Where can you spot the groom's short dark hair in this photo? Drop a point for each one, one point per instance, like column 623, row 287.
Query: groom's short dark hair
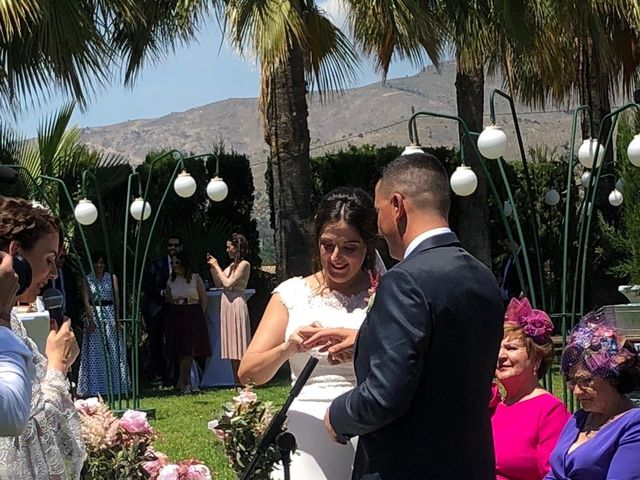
column 422, row 179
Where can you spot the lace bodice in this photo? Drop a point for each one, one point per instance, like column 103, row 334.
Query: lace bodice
column 51, row 445
column 331, row 310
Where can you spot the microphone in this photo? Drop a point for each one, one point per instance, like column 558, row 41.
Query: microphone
column 8, row 175
column 53, row 301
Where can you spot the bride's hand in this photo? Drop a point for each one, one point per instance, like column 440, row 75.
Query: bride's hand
column 296, row 341
column 333, row 340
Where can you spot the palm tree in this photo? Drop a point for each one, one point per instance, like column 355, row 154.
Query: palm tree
column 76, row 47
column 300, row 49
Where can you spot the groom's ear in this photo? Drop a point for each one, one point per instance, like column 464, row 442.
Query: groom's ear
column 397, row 201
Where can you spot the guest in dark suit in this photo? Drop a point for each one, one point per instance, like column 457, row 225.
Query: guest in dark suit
column 67, row 283
column 153, row 307
column 509, row 280
column 426, row 353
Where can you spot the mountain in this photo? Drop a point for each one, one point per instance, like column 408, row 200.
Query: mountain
column 375, row 114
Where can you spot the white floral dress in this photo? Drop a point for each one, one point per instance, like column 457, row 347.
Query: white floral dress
column 51, row 446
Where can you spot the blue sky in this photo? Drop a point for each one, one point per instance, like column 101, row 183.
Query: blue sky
column 195, row 75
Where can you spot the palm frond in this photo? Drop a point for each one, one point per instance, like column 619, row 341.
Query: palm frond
column 332, row 62
column 403, row 29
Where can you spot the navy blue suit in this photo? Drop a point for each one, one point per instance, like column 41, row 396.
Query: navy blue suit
column 153, row 283
column 425, row 358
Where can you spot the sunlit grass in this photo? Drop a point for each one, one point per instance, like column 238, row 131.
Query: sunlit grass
column 181, row 421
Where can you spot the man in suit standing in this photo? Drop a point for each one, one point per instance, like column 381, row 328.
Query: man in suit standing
column 153, row 286
column 426, row 352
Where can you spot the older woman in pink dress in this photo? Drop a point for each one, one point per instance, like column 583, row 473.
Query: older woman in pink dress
column 235, row 328
column 528, row 420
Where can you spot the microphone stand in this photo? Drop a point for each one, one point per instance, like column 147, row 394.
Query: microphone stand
column 284, row 441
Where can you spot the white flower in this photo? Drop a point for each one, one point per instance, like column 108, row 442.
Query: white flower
column 169, row 472
column 246, row 396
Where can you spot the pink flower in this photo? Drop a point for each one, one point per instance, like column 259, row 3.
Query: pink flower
column 213, row 426
column 135, row 422
column 154, row 467
column 198, row 472
column 169, row 472
column 87, row 406
column 246, row 396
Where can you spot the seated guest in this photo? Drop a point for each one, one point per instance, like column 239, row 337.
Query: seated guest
column 528, row 420
column 602, row 439
column 16, row 360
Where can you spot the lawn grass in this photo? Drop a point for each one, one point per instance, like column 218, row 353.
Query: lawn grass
column 181, row 421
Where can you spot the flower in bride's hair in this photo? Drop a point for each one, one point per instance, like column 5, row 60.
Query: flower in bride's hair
column 374, row 282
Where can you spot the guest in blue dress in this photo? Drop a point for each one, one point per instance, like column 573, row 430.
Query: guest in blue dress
column 103, row 338
column 602, row 440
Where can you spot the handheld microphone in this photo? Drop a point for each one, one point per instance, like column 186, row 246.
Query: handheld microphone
column 53, row 301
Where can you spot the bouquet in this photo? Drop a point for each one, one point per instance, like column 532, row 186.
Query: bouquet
column 240, row 428
column 120, row 448
column 116, row 447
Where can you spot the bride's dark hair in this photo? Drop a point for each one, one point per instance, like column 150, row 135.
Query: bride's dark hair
column 353, row 206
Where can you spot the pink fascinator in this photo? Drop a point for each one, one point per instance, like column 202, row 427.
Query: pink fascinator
column 535, row 324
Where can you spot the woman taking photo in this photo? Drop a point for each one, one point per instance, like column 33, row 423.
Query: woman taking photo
column 235, row 327
column 186, row 329
column 51, row 445
column 528, row 420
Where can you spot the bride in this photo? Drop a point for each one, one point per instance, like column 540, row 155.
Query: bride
column 333, row 297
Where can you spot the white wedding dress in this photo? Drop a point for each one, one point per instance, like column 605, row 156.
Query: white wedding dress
column 317, row 456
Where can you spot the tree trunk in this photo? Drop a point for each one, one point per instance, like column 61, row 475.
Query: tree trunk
column 473, row 224
column 287, row 133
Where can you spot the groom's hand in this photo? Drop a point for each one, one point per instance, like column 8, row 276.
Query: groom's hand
column 337, row 342
column 331, row 431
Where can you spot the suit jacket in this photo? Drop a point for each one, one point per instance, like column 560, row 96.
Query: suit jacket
column 425, row 358
column 67, row 283
column 153, row 283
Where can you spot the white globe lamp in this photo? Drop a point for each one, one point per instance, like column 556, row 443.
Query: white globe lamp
column 615, row 197
column 412, row 150
column 463, row 181
column 552, row 197
column 184, row 185
column 584, row 179
column 85, row 212
column 217, row 190
column 633, row 151
column 140, row 210
column 492, row 142
column 587, row 151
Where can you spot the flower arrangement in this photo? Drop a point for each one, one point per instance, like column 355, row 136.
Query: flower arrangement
column 120, row 448
column 161, row 469
column 240, row 427
column 116, row 447
column 374, row 281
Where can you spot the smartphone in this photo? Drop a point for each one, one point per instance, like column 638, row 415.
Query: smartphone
column 22, row 267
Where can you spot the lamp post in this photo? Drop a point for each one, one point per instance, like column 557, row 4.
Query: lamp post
column 86, row 213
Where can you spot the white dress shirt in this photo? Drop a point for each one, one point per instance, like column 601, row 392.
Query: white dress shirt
column 423, row 236
column 16, row 376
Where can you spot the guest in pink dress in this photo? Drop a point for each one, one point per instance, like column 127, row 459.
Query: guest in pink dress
column 528, row 420
column 235, row 327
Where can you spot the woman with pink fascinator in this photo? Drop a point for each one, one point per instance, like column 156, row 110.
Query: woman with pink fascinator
column 528, row 420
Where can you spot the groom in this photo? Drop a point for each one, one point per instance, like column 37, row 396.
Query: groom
column 426, row 353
